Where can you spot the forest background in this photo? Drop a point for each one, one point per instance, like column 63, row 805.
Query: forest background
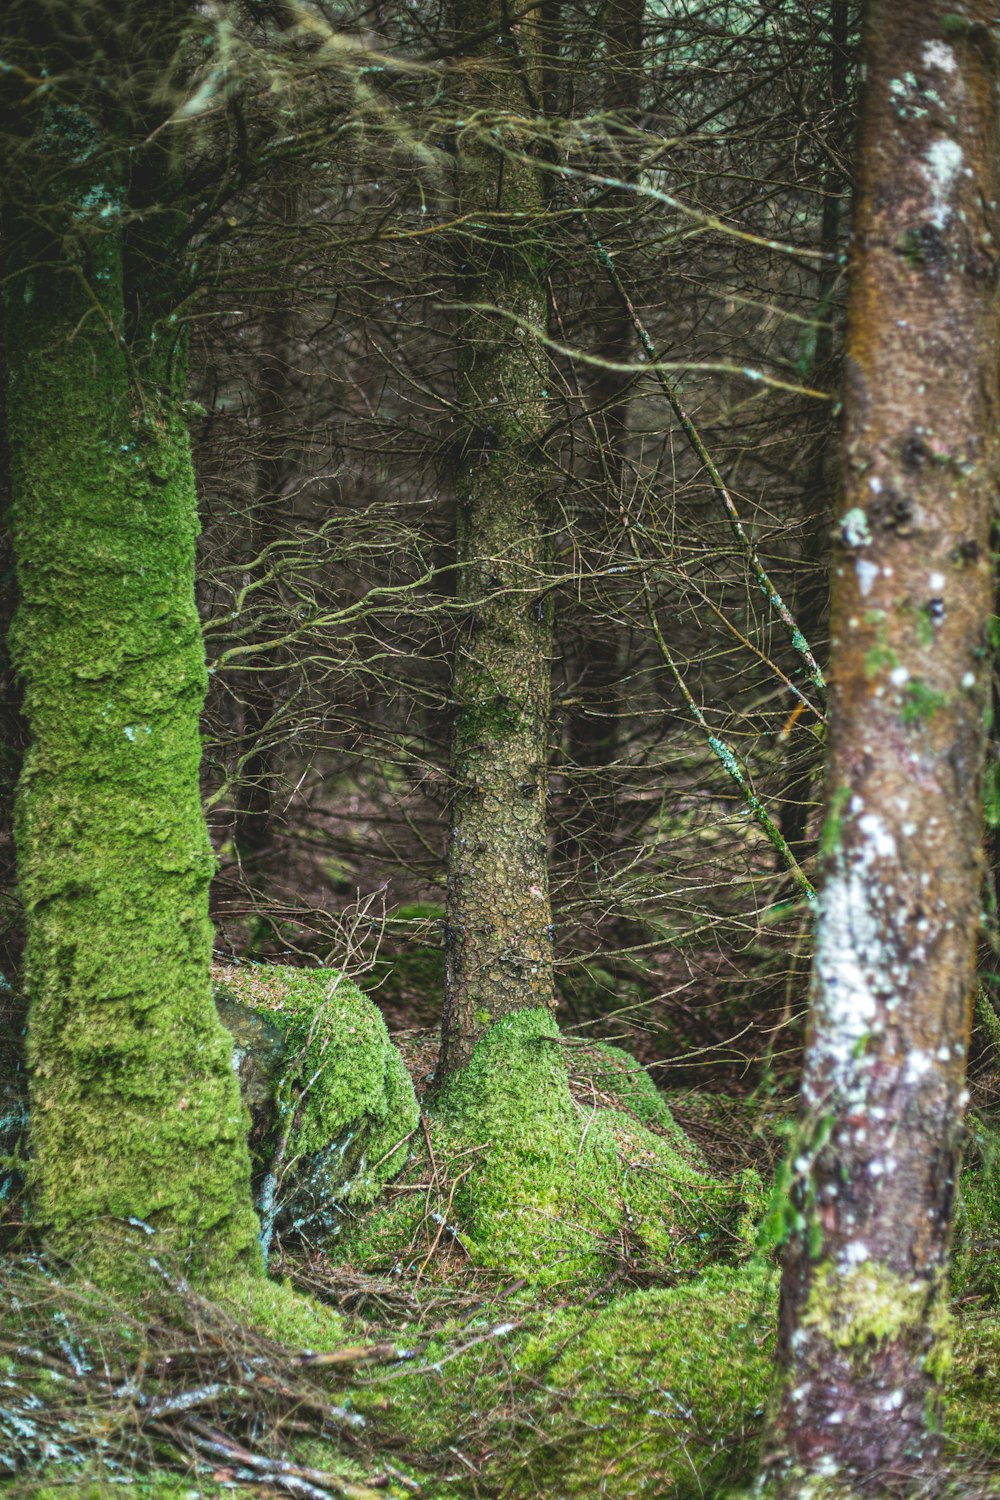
column 676, row 178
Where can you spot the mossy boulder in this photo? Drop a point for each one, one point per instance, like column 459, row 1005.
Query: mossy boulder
column 664, row 1391
column 612, row 1078
column 524, row 1177
column 331, row 1103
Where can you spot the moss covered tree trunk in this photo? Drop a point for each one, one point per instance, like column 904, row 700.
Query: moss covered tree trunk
column 864, row 1289
column 135, row 1111
column 499, row 933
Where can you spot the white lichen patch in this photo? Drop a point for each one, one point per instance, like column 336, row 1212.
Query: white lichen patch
column 938, row 55
column 942, row 164
column 847, row 937
column 867, row 573
column 855, row 967
column 917, row 1064
column 881, row 841
column 854, row 528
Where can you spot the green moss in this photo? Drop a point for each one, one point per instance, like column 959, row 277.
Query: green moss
column 277, row 1310
column 829, row 839
column 611, row 1071
column 135, row 1112
column 970, row 1403
column 872, row 1304
column 529, row 1180
column 665, row 1391
column 319, row 1072
column 976, row 1252
column 658, row 1393
column 155, row 1486
column 880, row 658
column 922, row 702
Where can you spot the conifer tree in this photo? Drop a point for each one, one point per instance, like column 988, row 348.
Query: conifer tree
column 499, row 926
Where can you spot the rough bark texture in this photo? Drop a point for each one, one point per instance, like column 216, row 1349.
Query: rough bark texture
column 864, row 1290
column 135, row 1111
column 499, row 933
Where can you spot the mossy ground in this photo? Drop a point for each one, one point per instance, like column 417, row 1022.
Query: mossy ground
column 517, row 1174
column 976, row 1256
column 508, row 1393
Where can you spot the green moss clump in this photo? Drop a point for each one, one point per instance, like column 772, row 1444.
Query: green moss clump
column 534, row 1182
column 970, row 1402
column 612, row 1072
column 666, row 1391
column 868, row 1304
column 321, row 1076
column 277, row 1310
column 658, row 1393
column 976, row 1253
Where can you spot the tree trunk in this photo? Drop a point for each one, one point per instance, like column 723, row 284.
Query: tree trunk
column 499, row 933
column 864, row 1291
column 135, row 1111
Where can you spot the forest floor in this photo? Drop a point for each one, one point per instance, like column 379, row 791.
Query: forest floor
column 326, row 1383
column 437, row 1378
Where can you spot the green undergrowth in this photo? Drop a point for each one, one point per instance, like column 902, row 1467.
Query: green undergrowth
column 279, row 1311
column 976, row 1256
column 158, row 1486
column 659, row 1392
column 332, row 1106
column 515, row 1173
column 972, row 1408
column 166, row 1392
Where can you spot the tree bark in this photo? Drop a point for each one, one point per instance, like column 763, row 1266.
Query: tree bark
column 864, row 1290
column 499, row 935
column 135, row 1111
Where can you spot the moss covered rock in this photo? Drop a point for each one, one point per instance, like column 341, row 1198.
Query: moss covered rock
column 524, row 1177
column 664, row 1391
column 331, row 1104
column 612, row 1078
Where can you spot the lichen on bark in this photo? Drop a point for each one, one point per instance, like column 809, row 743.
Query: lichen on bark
column 135, row 1111
column 862, row 1343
